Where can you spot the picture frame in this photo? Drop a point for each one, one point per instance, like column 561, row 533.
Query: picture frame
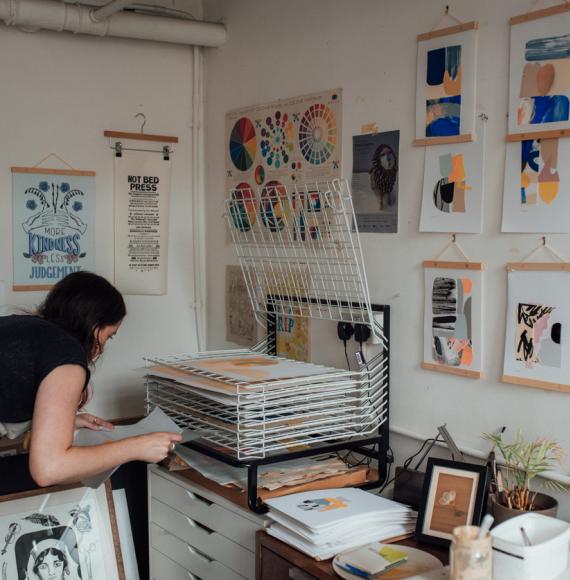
column 66, row 532
column 454, row 494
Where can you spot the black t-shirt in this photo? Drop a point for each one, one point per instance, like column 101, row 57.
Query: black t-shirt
column 30, row 348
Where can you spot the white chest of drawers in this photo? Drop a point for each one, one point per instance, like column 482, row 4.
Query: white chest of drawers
column 196, row 534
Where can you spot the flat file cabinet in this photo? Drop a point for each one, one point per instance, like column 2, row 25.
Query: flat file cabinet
column 197, row 535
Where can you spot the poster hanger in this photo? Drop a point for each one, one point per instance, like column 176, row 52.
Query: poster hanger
column 467, row 264
column 558, row 265
column 49, row 171
column 534, row 14
column 142, row 136
column 459, row 26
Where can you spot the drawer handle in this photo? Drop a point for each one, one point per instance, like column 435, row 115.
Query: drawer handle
column 192, row 576
column 192, row 550
column 199, row 526
column 196, row 497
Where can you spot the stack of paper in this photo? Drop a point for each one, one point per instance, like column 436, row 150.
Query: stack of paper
column 270, row 477
column 325, row 522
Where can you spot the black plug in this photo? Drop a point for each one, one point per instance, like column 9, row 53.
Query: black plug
column 345, row 330
column 361, row 333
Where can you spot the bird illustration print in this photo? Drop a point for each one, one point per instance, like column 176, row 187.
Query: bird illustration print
column 384, row 174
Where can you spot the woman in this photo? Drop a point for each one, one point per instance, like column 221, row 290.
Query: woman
column 44, row 373
column 51, row 564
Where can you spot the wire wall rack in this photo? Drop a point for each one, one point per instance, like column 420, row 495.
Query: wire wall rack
column 300, row 254
column 303, row 243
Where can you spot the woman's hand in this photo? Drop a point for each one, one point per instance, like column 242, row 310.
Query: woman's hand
column 154, row 447
column 88, row 421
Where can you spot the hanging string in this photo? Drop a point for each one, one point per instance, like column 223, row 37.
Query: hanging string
column 447, row 14
column 57, row 157
column 453, row 244
column 544, row 245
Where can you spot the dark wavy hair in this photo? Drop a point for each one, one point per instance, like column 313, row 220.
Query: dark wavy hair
column 81, row 303
column 39, row 560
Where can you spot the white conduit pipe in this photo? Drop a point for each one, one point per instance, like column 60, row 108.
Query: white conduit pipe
column 552, row 475
column 57, row 16
column 198, row 217
column 109, row 9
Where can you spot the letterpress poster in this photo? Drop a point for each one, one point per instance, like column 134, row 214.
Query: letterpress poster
column 142, row 192
column 53, row 225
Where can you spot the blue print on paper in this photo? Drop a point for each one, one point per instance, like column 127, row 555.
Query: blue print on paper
column 443, row 116
column 435, row 66
column 550, row 109
column 550, row 48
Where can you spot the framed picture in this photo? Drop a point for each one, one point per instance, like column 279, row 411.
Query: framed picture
column 454, row 495
column 62, row 533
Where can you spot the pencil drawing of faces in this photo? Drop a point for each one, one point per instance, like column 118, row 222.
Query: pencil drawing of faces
column 48, row 554
column 50, row 564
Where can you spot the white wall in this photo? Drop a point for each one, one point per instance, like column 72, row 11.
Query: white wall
column 278, row 49
column 59, row 93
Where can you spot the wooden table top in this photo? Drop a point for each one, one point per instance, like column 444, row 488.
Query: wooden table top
column 324, row 569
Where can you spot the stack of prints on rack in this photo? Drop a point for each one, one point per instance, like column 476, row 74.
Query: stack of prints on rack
column 329, row 521
column 252, row 405
column 276, row 477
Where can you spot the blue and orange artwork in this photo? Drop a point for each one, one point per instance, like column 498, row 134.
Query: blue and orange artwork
column 325, row 504
column 449, row 191
column 545, row 82
column 242, row 207
column 540, row 180
column 443, row 91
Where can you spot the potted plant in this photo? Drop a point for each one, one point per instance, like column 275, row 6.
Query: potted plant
column 523, row 461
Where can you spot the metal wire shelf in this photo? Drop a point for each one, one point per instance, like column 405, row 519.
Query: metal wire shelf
column 300, row 255
column 298, row 246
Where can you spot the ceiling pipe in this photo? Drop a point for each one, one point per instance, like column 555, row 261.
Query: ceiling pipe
column 57, row 16
column 109, row 9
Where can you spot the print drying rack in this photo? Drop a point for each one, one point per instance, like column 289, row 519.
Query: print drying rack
column 300, row 255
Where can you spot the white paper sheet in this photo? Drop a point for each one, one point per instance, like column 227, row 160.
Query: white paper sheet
column 154, row 422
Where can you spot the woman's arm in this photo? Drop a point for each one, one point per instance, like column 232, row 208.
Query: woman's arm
column 54, row 460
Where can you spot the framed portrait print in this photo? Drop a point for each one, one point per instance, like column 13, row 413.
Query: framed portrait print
column 454, row 494
column 62, row 533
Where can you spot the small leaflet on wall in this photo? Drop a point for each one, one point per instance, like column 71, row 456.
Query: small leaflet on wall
column 293, row 340
column 53, row 225
column 375, row 181
column 241, row 326
column 142, row 192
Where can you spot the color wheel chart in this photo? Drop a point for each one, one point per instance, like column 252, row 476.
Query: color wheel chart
column 243, row 144
column 277, row 141
column 273, row 146
column 317, row 134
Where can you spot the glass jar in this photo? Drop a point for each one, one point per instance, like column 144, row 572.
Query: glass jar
column 470, row 558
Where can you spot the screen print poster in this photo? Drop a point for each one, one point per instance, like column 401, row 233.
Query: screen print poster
column 537, row 349
column 272, row 148
column 142, row 204
column 539, row 75
column 453, row 317
column 53, row 225
column 536, row 196
column 375, row 166
column 445, row 84
column 452, row 197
